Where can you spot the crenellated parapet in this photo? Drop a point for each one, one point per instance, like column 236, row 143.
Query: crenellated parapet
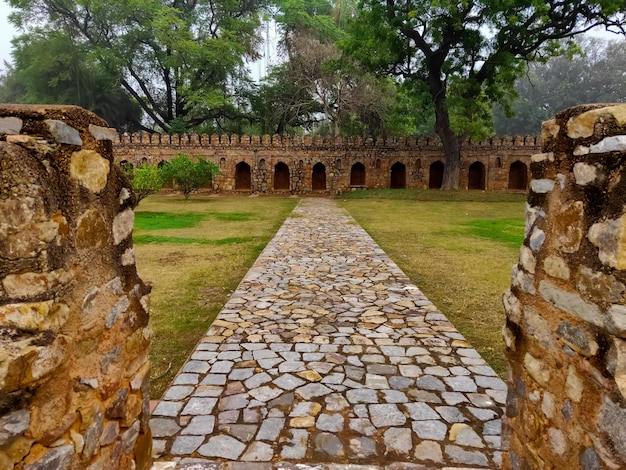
column 273, row 141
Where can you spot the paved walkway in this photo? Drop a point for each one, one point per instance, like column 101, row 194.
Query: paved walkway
column 328, row 355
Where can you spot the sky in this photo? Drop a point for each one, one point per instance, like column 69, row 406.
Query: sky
column 7, row 31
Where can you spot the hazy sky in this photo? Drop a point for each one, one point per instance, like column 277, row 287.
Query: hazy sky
column 6, row 34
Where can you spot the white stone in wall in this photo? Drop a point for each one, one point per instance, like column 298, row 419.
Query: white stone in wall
column 536, row 368
column 571, row 303
column 103, row 133
column 10, row 125
column 586, row 174
column 63, row 133
column 536, row 239
column 574, row 385
column 123, row 225
column 542, row 186
column 610, row 239
column 556, row 267
column 527, row 259
column 616, row 143
column 616, row 320
column 542, row 157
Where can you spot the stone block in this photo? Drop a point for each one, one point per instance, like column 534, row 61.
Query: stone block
column 512, row 306
column 90, row 169
column 583, row 125
column 571, row 303
column 537, row 369
column 588, row 174
column 556, row 266
column 599, row 286
column 610, row 239
column 567, row 227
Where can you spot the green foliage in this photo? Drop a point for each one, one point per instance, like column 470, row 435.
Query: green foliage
column 179, row 61
column 50, row 68
column 189, row 175
column 145, row 179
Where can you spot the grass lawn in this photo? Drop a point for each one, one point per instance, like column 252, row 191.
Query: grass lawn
column 457, row 247
column 195, row 253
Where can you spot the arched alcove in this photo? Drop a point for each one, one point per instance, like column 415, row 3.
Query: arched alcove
column 281, row 176
column 357, row 174
column 435, row 175
column 476, row 176
column 319, row 177
column 398, row 176
column 243, row 176
column 518, row 175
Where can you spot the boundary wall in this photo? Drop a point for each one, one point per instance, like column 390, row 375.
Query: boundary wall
column 307, row 164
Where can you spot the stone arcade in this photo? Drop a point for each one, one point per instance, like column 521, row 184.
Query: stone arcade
column 304, row 165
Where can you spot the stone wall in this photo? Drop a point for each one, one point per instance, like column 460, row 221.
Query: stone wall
column 74, row 329
column 565, row 331
column 412, row 162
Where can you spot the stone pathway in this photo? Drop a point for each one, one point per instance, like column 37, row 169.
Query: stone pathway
column 327, row 355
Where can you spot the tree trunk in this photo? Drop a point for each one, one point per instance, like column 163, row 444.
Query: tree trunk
column 451, row 142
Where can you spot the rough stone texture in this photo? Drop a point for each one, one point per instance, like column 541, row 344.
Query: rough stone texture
column 502, row 163
column 566, row 313
column 73, row 376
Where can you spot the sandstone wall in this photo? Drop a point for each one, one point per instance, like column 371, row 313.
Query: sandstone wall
column 565, row 332
column 74, row 330
column 300, row 153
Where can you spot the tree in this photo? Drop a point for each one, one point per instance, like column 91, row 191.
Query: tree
column 324, row 86
column 181, row 61
column 50, row 68
column 468, row 54
column 189, row 175
column 145, row 180
column 598, row 75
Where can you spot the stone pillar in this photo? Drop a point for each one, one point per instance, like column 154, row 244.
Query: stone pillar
column 74, row 332
column 565, row 331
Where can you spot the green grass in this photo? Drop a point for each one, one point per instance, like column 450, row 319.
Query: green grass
column 458, row 247
column 505, row 230
column 165, row 220
column 434, row 195
column 146, row 239
column 194, row 253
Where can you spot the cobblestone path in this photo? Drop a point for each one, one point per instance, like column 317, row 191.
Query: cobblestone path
column 327, row 355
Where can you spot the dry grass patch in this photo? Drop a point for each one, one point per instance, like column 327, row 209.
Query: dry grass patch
column 457, row 247
column 195, row 253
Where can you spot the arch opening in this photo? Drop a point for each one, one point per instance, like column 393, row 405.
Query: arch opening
column 281, row 177
column 243, row 176
column 518, row 175
column 476, row 176
column 435, row 175
column 398, row 176
column 357, row 174
column 319, row 177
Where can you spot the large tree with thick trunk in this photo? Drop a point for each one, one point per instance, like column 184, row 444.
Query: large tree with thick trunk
column 467, row 54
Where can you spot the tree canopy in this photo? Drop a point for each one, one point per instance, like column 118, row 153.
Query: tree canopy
column 468, row 54
column 179, row 60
